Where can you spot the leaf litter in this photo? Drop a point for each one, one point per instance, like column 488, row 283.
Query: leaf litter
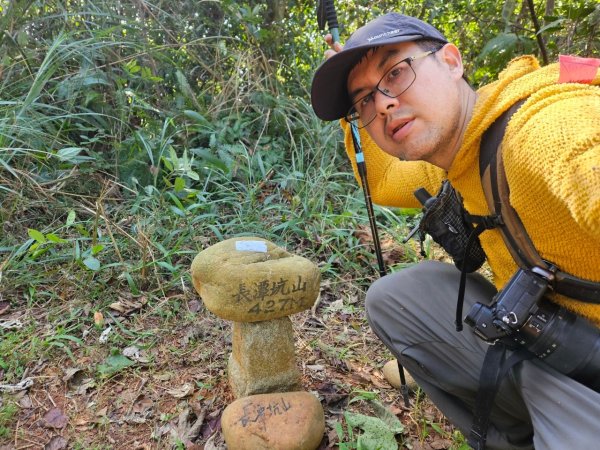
column 169, row 383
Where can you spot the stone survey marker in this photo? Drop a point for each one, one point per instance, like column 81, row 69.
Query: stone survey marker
column 250, row 279
column 263, row 358
column 257, row 285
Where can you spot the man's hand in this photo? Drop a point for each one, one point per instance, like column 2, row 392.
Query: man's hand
column 334, row 47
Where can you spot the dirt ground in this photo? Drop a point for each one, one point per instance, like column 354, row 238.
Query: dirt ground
column 174, row 394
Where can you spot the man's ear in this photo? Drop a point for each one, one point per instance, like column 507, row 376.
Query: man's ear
column 450, row 55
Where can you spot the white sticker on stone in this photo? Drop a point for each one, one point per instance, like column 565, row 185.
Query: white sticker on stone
column 251, row 246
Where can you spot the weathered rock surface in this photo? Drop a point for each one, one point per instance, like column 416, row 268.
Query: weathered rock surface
column 278, row 421
column 263, row 358
column 249, row 279
column 392, row 375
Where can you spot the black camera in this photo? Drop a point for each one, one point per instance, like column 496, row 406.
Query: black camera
column 520, row 315
column 512, row 307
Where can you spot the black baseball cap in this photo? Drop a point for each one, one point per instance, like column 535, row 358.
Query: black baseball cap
column 329, row 94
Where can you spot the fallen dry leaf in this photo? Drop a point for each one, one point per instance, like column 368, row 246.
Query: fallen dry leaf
column 440, row 444
column 131, row 352
column 85, row 385
column 142, row 404
column 212, row 424
column 395, row 410
column 104, row 335
column 55, row 418
column 377, row 382
column 56, row 443
column 26, row 402
column 182, row 391
column 82, row 421
column 332, row 436
column 4, row 307
column 136, row 354
column 125, row 306
column 332, row 394
column 361, row 376
column 163, row 376
column 194, row 306
column 188, row 425
column 20, row 386
column 215, row 442
column 70, row 373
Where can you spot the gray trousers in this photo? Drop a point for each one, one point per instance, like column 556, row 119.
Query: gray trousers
column 413, row 311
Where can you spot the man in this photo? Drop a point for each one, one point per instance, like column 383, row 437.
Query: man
column 402, row 83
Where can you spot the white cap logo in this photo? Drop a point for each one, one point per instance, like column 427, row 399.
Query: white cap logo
column 386, row 34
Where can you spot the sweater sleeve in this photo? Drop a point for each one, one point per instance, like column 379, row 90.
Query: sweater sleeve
column 391, row 181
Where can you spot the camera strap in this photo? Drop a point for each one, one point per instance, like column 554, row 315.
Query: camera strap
column 482, row 223
column 514, row 234
column 495, row 368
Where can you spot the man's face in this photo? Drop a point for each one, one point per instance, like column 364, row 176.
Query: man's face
column 426, row 121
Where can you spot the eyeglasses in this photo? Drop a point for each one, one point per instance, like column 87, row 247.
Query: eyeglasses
column 392, row 84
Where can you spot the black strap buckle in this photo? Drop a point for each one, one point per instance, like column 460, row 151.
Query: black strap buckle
column 487, row 222
column 477, row 440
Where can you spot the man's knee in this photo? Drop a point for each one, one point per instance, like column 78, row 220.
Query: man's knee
column 397, row 294
column 401, row 288
column 382, row 294
column 376, row 297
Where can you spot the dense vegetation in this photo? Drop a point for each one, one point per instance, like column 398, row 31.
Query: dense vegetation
column 133, row 134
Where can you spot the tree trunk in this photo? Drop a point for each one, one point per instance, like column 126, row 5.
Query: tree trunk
column 275, row 12
column 549, row 8
column 273, row 23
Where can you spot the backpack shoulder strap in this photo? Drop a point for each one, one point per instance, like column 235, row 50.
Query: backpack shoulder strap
column 495, row 187
column 514, row 234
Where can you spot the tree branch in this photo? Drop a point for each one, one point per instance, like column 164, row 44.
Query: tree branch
column 538, row 35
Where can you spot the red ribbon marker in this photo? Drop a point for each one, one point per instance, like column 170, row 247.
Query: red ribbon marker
column 574, row 69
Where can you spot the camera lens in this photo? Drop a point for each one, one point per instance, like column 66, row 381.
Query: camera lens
column 565, row 341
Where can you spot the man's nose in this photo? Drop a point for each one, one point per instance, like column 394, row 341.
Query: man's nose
column 384, row 103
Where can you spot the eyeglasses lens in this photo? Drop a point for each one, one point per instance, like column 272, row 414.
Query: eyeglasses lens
column 393, row 84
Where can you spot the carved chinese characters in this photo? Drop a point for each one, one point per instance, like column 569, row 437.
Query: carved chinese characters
column 251, row 283
column 286, row 421
column 272, row 297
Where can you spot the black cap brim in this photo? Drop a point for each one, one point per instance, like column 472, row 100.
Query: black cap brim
column 329, row 93
column 329, row 96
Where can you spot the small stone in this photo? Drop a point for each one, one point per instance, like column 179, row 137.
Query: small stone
column 392, row 375
column 249, row 279
column 283, row 421
column 263, row 358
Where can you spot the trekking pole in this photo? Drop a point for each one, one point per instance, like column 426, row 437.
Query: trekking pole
column 362, row 172
column 326, row 14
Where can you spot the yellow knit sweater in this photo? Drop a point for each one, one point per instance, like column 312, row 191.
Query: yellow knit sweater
column 551, row 153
